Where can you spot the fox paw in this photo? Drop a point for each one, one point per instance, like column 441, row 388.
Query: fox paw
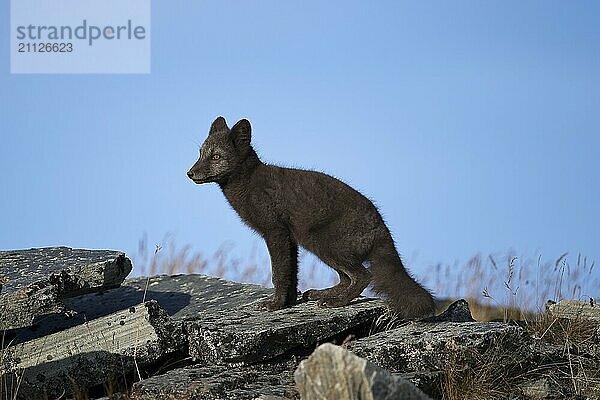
column 272, row 304
column 314, row 294
column 332, row 302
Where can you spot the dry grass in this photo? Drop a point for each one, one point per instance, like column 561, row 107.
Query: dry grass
column 256, row 268
column 516, row 286
column 9, row 381
column 499, row 373
column 498, row 287
column 9, row 384
column 579, row 332
column 470, row 375
column 494, row 375
column 575, row 336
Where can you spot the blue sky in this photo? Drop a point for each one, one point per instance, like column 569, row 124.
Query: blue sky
column 475, row 126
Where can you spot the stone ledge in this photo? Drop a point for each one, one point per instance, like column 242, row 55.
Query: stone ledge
column 220, row 383
column 36, row 281
column 95, row 352
column 424, row 346
column 251, row 336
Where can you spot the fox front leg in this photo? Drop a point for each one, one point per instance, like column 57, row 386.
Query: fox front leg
column 284, row 267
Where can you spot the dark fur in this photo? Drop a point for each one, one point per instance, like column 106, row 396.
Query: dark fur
column 291, row 207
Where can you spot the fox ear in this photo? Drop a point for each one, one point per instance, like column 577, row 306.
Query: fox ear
column 241, row 134
column 219, row 125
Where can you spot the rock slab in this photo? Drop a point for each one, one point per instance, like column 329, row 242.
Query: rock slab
column 574, row 309
column 224, row 326
column 332, row 372
column 183, row 297
column 422, row 346
column 212, row 382
column 92, row 353
column 248, row 335
column 219, row 316
column 35, row 281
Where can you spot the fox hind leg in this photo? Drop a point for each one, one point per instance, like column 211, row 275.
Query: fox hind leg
column 360, row 277
column 354, row 278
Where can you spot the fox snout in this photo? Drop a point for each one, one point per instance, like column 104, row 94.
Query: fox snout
column 199, row 172
column 192, row 174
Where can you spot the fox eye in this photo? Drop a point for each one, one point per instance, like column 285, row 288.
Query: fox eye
column 216, row 156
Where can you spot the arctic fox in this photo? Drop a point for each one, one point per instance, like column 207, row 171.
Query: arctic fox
column 294, row 207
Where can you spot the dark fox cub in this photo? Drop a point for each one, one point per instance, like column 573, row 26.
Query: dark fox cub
column 293, row 207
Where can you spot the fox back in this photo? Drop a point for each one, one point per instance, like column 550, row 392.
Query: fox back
column 291, row 207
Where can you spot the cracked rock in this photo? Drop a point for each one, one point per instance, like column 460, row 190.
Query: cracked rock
column 35, row 281
column 424, row 346
column 211, row 382
column 94, row 352
column 248, row 335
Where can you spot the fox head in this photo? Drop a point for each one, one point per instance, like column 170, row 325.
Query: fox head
column 222, row 152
